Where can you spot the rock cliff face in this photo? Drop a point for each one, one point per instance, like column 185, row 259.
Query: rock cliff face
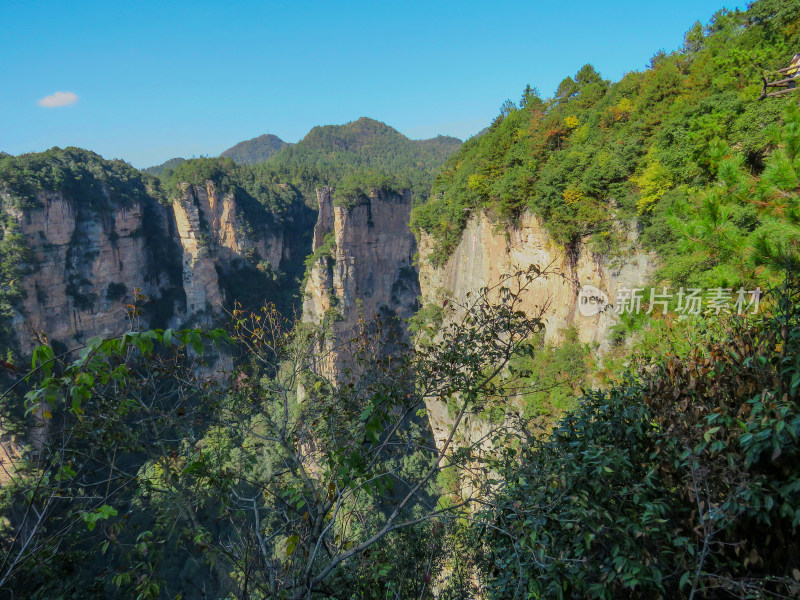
column 218, row 241
column 485, row 254
column 87, row 264
column 189, row 258
column 362, row 266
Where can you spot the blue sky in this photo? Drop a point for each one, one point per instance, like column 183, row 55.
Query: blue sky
column 156, row 80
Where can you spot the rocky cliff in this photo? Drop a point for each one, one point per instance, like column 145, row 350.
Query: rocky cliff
column 189, row 258
column 86, row 264
column 228, row 255
column 486, row 252
column 362, row 265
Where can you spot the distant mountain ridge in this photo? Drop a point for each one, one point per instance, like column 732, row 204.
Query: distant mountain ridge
column 165, row 168
column 365, row 134
column 362, row 151
column 328, row 152
column 256, row 150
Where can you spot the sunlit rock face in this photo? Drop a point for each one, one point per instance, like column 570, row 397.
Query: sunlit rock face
column 86, row 264
column 363, row 267
column 487, row 252
column 88, row 261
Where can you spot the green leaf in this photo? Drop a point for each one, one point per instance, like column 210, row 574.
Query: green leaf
column 291, row 544
column 43, row 356
column 195, row 341
column 684, row 580
column 84, row 379
column 707, row 435
column 106, row 511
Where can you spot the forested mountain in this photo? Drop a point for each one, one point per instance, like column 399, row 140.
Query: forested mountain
column 172, row 427
column 361, row 154
column 265, row 200
column 256, row 150
column 657, row 146
column 165, row 168
column 354, row 157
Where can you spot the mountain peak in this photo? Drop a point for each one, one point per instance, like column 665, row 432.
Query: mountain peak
column 256, row 150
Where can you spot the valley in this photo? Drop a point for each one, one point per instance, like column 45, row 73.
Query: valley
column 362, row 365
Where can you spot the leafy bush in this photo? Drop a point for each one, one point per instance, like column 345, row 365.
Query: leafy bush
column 664, row 485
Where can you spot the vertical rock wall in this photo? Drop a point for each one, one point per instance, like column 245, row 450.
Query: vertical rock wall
column 183, row 257
column 366, row 269
column 485, row 253
column 87, row 264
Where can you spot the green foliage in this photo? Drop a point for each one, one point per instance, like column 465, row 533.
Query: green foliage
column 111, row 411
column 664, row 485
column 617, row 150
column 165, row 169
column 16, row 260
column 333, row 154
column 427, row 320
column 555, row 375
column 255, row 151
column 326, row 251
column 721, row 236
column 80, row 174
column 355, row 188
column 141, row 477
column 160, row 472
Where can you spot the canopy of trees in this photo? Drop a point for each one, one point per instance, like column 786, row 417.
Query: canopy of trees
column 598, row 153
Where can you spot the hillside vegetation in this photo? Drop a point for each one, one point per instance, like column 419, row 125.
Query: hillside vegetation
column 165, row 168
column 359, row 155
column 659, row 146
column 680, row 482
column 354, row 158
column 257, row 150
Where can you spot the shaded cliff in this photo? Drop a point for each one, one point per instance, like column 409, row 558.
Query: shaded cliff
column 237, row 251
column 362, row 266
column 80, row 234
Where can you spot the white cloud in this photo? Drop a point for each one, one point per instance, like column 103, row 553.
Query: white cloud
column 58, row 99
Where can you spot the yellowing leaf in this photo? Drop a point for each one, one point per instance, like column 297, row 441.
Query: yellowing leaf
column 291, row 544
